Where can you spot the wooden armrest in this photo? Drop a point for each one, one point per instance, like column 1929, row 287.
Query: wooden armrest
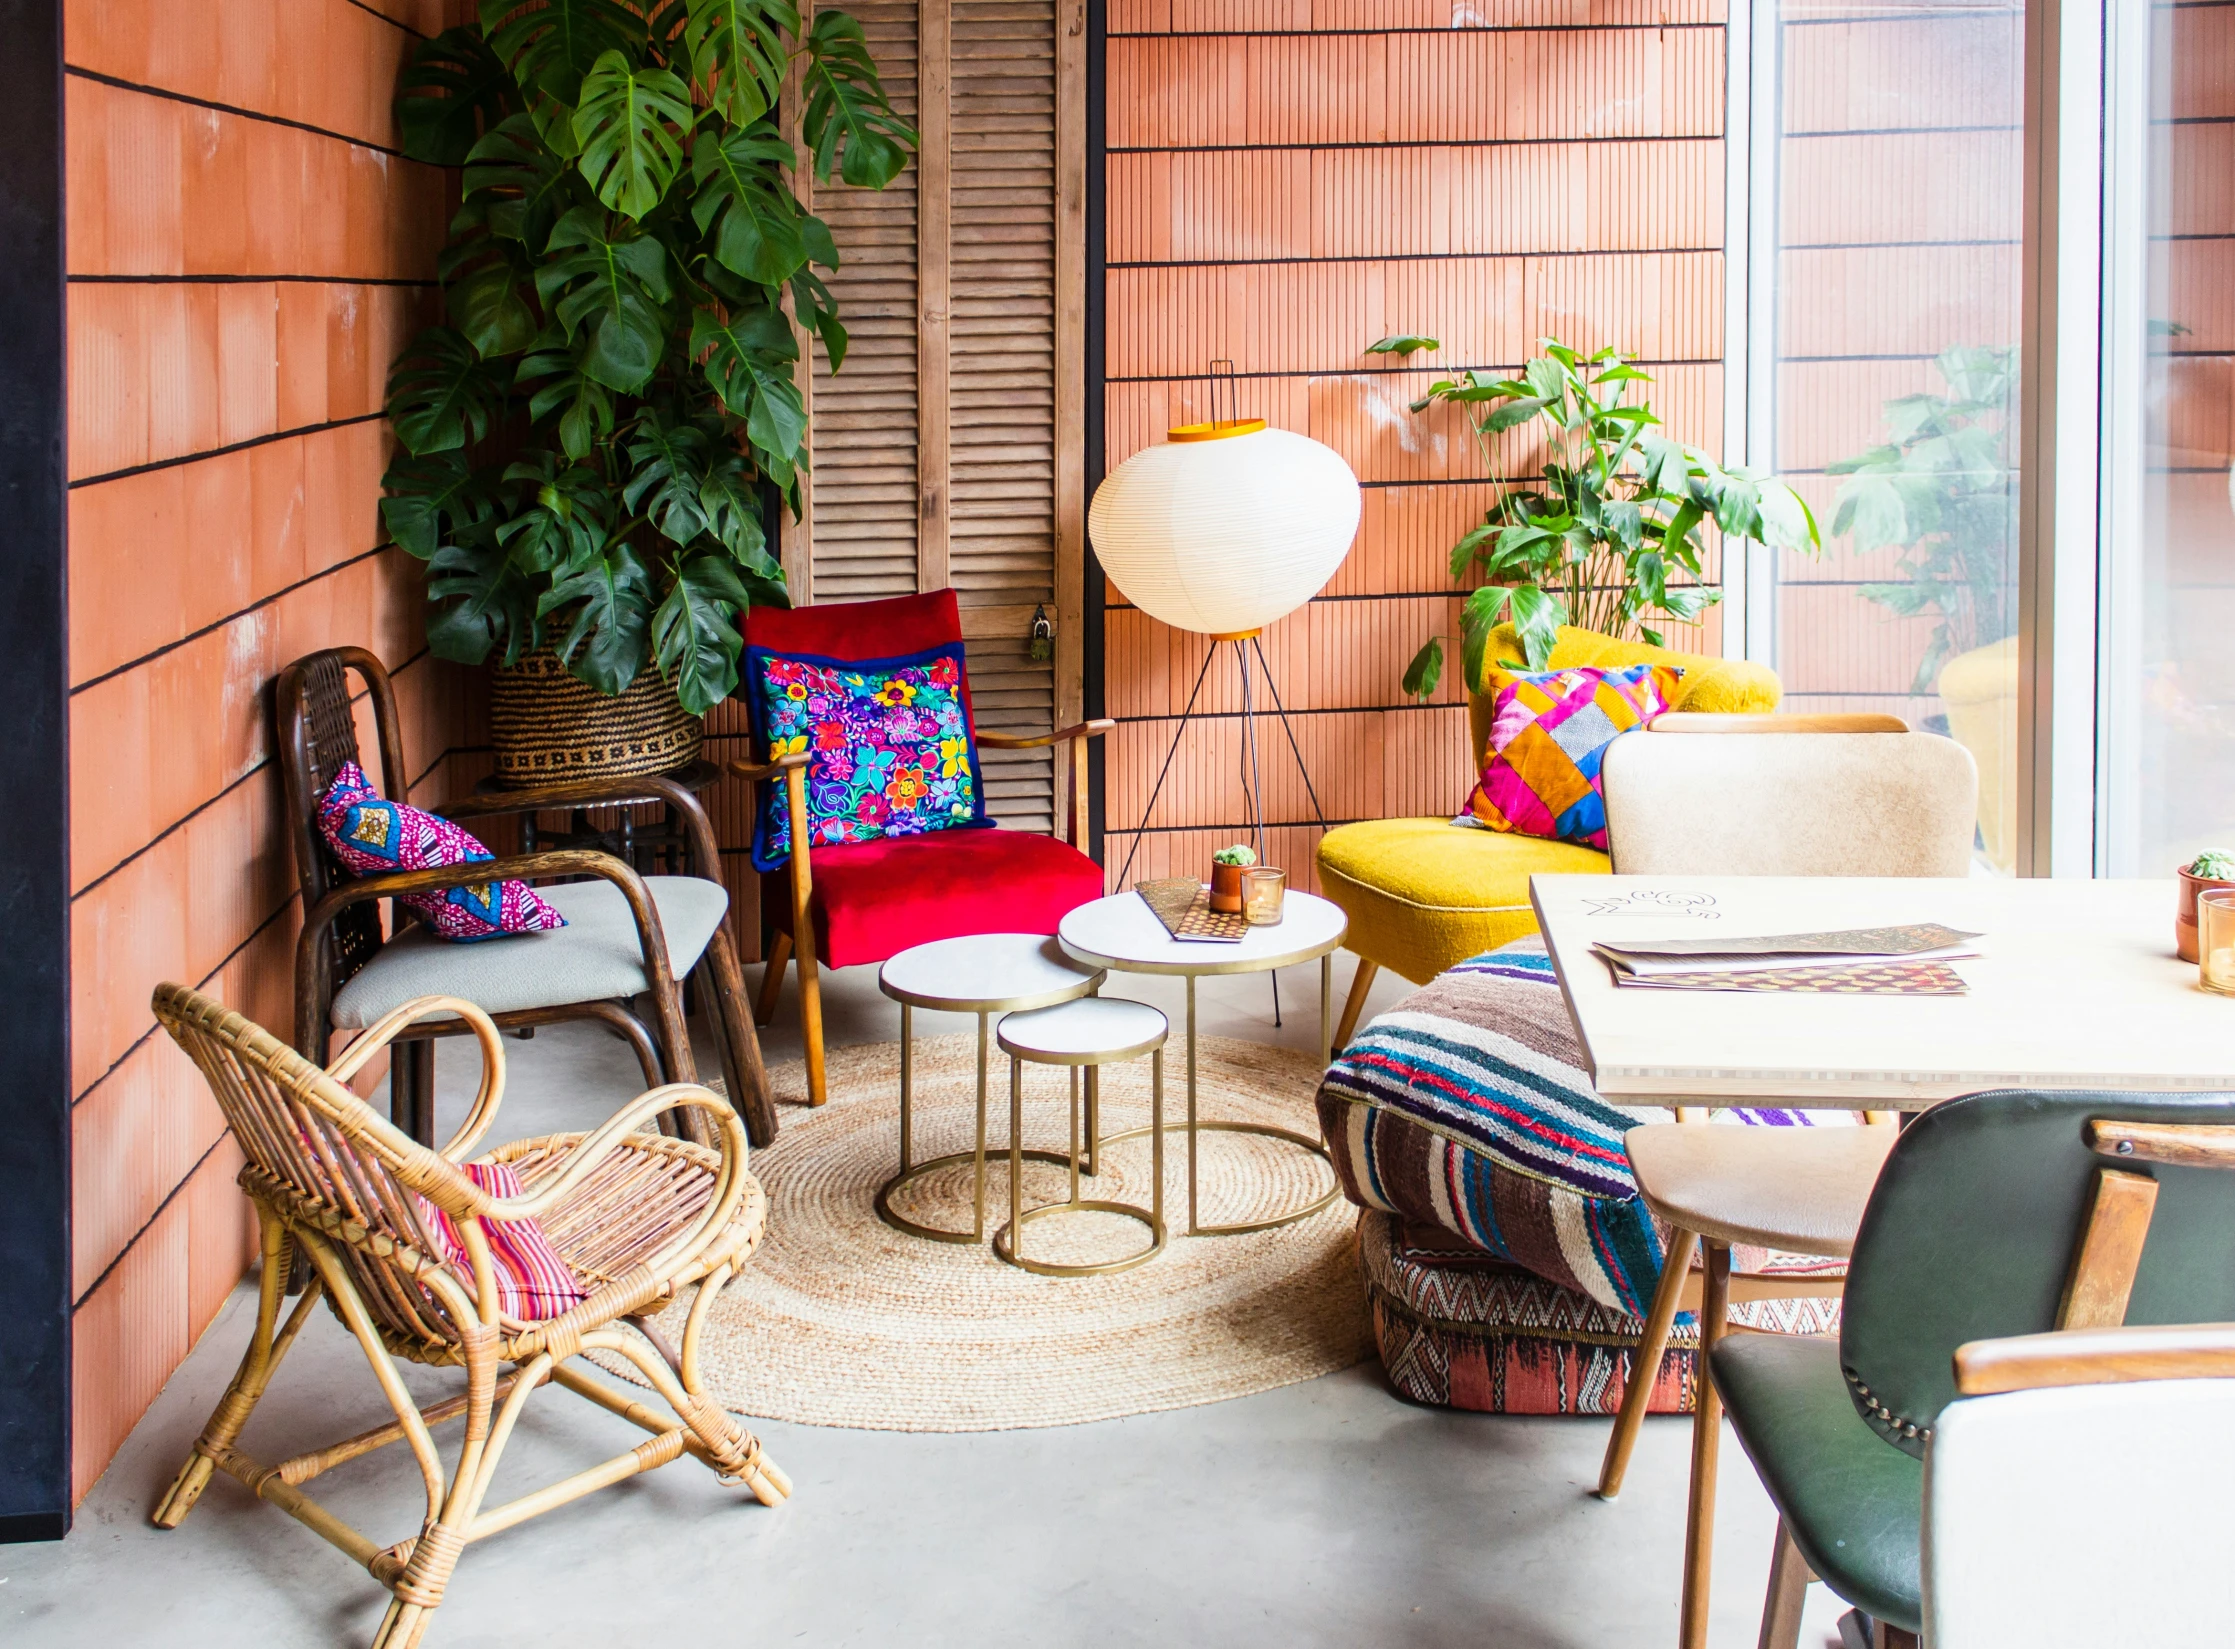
column 1716, row 721
column 570, row 793
column 1018, row 741
column 769, row 770
column 2095, row 1357
column 2178, row 1145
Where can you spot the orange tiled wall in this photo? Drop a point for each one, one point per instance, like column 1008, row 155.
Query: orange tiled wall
column 246, row 252
column 1289, row 180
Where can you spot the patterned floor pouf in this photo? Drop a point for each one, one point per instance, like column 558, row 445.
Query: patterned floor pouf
column 1509, row 1257
column 1458, row 1328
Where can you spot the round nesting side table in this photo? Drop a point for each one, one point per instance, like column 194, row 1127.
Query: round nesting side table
column 1122, row 934
column 1085, row 1036
column 984, row 974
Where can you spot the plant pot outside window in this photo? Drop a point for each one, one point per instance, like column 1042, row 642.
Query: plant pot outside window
column 548, row 727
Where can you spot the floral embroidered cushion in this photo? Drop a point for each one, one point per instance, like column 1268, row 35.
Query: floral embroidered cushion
column 1548, row 733
column 369, row 834
column 888, row 742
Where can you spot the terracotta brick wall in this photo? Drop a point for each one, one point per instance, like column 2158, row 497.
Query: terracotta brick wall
column 246, row 252
column 1289, row 181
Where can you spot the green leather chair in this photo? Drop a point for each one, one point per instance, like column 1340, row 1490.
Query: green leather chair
column 1975, row 1232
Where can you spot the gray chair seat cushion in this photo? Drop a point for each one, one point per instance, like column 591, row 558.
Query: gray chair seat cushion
column 593, row 958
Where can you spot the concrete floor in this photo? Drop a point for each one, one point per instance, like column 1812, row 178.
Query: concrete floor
column 1326, row 1513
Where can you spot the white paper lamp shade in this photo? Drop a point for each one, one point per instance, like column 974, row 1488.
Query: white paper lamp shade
column 1223, row 533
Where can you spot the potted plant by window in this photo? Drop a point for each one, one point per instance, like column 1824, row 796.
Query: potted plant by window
column 597, row 438
column 1611, row 539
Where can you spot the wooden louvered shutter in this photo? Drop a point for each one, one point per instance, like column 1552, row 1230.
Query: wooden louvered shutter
column 950, row 448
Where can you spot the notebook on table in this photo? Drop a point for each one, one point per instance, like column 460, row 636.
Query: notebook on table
column 1907, row 960
column 1183, row 905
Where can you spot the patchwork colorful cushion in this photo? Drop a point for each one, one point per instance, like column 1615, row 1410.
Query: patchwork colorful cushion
column 533, row 1283
column 369, row 834
column 1548, row 733
column 1465, row 1108
column 889, row 747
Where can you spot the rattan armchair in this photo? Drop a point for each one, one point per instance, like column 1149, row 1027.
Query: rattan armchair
column 637, row 1216
column 342, row 955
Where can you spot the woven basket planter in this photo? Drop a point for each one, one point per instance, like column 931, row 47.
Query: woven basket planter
column 547, row 726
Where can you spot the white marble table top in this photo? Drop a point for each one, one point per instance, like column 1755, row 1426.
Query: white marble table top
column 1121, row 932
column 986, row 973
column 1094, row 1030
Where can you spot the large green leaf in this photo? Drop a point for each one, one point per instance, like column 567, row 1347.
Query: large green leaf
column 521, row 186
column 748, row 359
column 483, row 602
column 430, row 499
column 737, row 52
column 1537, row 615
column 668, row 462
column 440, row 394
column 489, row 307
column 849, row 122
column 609, row 294
column 695, row 636
column 758, row 228
column 631, row 124
column 453, row 89
column 1425, row 670
column 584, row 405
column 564, row 519
column 552, row 44
column 611, row 597
column 1407, row 344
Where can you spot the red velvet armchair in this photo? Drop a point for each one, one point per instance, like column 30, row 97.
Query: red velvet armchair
column 867, row 901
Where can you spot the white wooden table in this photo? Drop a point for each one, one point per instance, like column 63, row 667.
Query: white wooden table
column 2076, row 986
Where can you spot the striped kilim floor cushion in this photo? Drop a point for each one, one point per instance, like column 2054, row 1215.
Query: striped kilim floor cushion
column 1464, row 1113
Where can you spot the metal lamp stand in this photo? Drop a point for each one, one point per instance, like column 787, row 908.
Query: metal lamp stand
column 1247, row 647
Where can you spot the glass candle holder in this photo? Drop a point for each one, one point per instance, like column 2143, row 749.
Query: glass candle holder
column 2215, row 940
column 1263, row 889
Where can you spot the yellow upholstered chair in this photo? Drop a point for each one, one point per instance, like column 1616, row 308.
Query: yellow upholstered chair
column 1422, row 894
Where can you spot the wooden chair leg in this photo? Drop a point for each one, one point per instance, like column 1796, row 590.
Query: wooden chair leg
column 1707, row 1442
column 411, row 1087
column 1883, row 1636
column 1789, row 1576
column 772, row 981
column 1360, row 983
column 742, row 1070
column 811, row 1022
column 1645, row 1362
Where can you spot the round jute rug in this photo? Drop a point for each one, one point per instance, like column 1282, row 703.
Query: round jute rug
column 842, row 1321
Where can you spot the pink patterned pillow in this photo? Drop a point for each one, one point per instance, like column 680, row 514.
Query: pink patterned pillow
column 369, row 834
column 533, row 1283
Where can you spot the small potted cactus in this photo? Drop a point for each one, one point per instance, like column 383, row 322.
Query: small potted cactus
column 1227, row 865
column 2206, row 870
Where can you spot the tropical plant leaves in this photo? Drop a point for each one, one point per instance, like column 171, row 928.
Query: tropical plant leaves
column 440, row 395
column 609, row 294
column 631, row 125
column 1406, row 343
column 453, row 90
column 695, row 637
column 748, row 361
column 742, row 200
column 520, row 186
column 611, row 600
column 737, row 53
column 849, row 121
column 551, row 45
column 487, row 306
column 429, row 499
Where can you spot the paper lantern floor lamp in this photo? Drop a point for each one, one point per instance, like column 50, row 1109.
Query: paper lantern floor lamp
column 1222, row 529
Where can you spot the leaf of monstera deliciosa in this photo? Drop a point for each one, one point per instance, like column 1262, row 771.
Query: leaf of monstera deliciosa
column 748, row 361
column 611, row 596
column 608, row 294
column 452, row 90
column 551, row 45
column 695, row 636
column 440, row 394
column 631, row 125
column 759, row 231
column 520, row 186
column 848, row 121
column 736, row 50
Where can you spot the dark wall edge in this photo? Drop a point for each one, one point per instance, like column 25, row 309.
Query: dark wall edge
column 34, row 779
column 1097, row 281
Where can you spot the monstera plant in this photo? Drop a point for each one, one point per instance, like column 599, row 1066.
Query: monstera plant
column 1612, row 537
column 597, row 436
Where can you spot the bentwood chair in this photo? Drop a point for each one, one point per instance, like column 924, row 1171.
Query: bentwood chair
column 859, row 902
column 2034, row 1223
column 635, row 1217
column 628, row 937
column 2079, row 1491
column 1879, row 801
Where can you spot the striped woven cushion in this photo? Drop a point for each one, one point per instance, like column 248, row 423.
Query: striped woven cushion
column 1466, row 1106
column 533, row 1283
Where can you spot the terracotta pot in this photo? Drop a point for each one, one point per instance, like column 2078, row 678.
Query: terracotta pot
column 2184, row 917
column 1226, row 888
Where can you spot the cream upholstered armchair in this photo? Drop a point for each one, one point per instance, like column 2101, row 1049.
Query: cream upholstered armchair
column 1422, row 894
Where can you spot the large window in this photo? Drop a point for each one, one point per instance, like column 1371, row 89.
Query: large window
column 1888, row 142
column 2167, row 769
